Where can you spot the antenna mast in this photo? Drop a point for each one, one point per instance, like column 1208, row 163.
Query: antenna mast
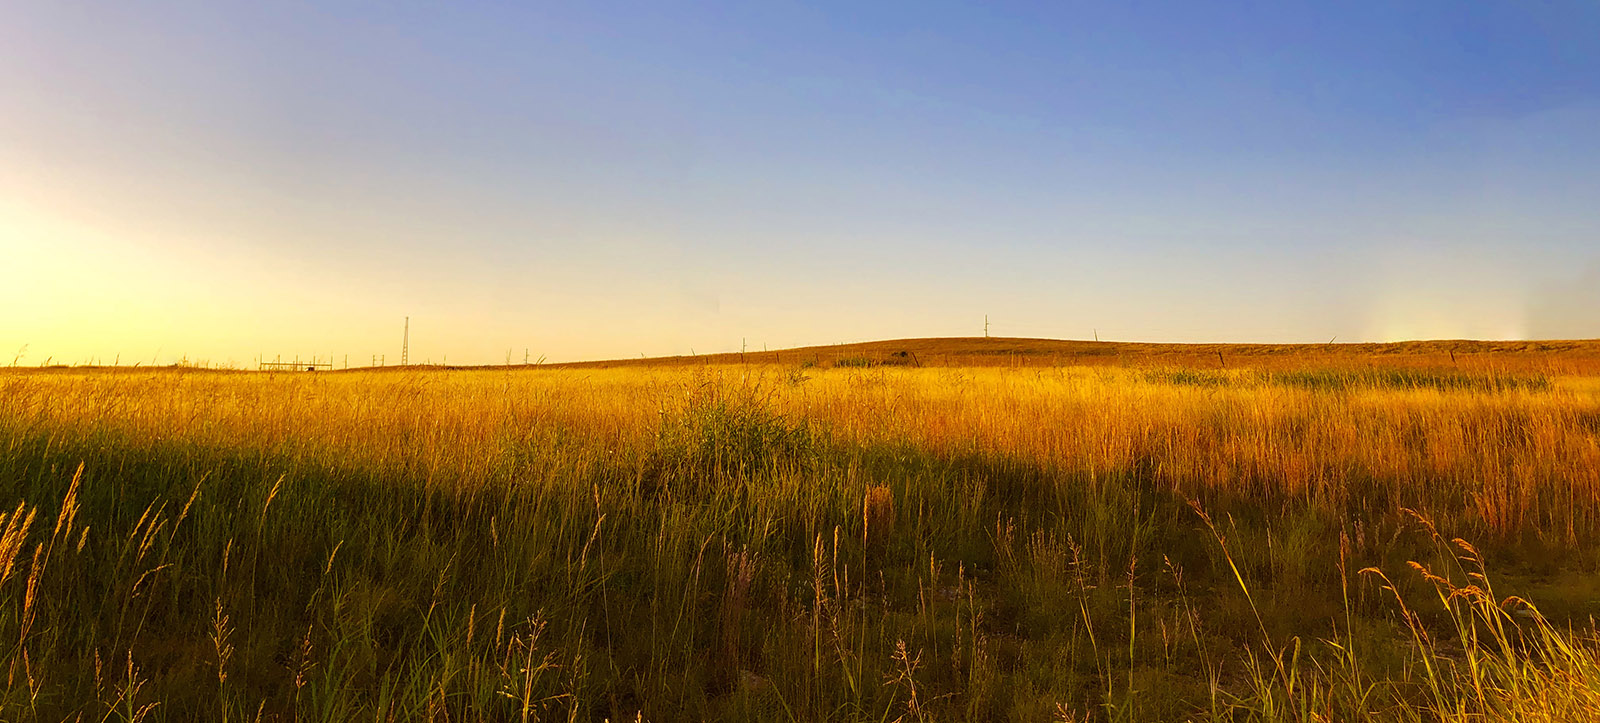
column 405, row 344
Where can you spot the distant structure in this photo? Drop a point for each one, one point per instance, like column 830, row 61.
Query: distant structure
column 405, row 344
column 279, row 365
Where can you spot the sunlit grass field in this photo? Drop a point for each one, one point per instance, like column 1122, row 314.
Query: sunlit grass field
column 802, row 541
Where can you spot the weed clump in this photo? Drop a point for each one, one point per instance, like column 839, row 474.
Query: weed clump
column 724, row 434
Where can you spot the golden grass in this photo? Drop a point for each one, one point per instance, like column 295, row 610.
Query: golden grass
column 1508, row 462
column 802, row 543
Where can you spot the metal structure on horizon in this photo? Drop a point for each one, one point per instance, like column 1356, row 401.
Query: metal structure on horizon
column 279, row 365
column 405, row 344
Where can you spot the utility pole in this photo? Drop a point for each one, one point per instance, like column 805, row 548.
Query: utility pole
column 405, row 344
column 985, row 326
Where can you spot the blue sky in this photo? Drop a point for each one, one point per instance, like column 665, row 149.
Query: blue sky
column 223, row 180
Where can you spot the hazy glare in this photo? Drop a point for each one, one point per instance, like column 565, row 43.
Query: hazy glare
column 215, row 181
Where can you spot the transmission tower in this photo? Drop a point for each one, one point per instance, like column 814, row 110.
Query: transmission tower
column 405, row 344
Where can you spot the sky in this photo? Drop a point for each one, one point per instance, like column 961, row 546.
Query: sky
column 219, row 182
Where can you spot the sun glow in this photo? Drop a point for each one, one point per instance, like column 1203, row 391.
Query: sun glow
column 1432, row 294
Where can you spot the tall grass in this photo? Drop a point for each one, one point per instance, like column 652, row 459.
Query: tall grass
column 755, row 543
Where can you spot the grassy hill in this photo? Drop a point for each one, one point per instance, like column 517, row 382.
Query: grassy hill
column 1561, row 356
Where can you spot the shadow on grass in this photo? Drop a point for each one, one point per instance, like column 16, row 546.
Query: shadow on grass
column 739, row 569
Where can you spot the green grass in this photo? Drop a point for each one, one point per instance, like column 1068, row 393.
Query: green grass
column 1346, row 379
column 1189, row 377
column 1388, row 378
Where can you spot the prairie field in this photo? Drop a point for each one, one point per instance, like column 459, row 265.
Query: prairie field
column 1406, row 535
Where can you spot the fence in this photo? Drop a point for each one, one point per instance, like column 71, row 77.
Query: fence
column 296, row 366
